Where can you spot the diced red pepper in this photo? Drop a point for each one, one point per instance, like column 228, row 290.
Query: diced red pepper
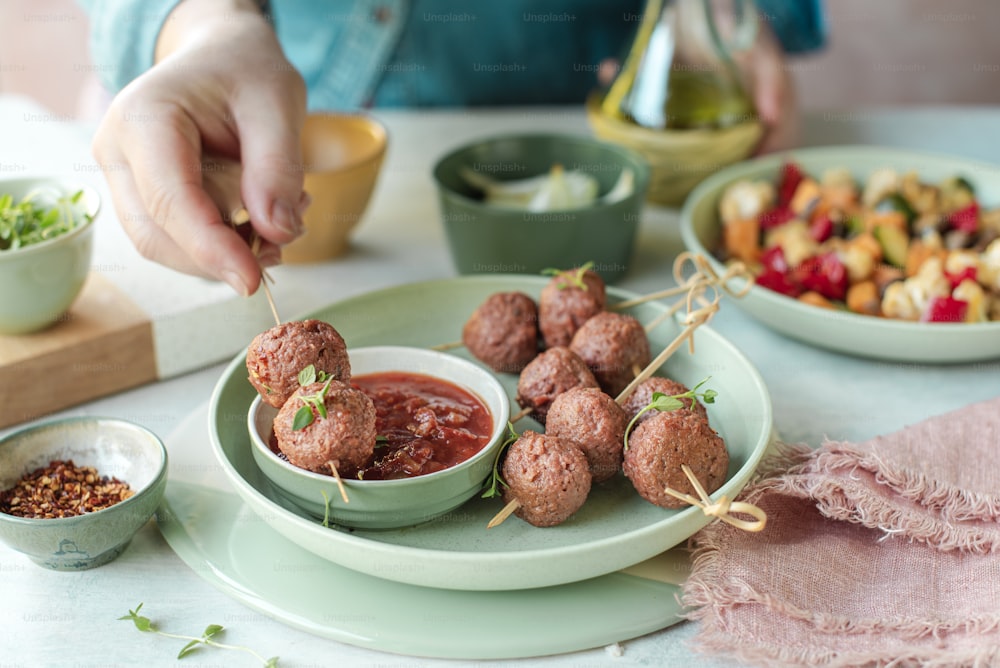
column 821, row 228
column 824, row 273
column 775, row 217
column 779, row 282
column 965, row 219
column 966, row 274
column 788, row 181
column 945, row 309
column 774, row 259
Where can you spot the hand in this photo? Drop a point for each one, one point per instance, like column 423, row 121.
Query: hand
column 774, row 93
column 221, row 87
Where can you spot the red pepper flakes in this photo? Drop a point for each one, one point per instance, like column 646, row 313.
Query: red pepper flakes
column 62, row 489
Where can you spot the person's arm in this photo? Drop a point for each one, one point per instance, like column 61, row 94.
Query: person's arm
column 123, row 37
column 219, row 85
column 799, row 25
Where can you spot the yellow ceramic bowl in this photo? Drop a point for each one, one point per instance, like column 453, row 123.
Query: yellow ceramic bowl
column 342, row 156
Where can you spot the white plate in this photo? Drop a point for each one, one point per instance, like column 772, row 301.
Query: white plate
column 843, row 331
column 615, row 528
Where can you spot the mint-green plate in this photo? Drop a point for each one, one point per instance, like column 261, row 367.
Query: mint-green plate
column 223, row 540
column 615, row 528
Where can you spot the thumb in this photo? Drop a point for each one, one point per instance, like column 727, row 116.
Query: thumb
column 271, row 155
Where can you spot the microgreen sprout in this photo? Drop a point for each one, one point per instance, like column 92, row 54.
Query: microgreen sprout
column 670, row 402
column 207, row 638
column 574, row 277
column 39, row 215
column 326, row 508
column 496, row 480
column 311, row 402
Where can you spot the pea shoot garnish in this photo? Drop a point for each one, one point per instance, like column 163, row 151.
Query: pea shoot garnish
column 573, row 278
column 207, row 638
column 670, row 402
column 32, row 220
column 496, row 480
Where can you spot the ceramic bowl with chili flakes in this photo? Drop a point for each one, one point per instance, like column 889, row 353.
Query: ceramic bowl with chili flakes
column 74, row 492
column 440, row 422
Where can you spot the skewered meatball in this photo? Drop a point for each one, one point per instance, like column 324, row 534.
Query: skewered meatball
column 658, row 447
column 595, row 423
column 276, row 356
column 345, row 437
column 548, row 476
column 563, row 305
column 613, row 345
column 503, row 332
column 643, row 394
column 547, row 376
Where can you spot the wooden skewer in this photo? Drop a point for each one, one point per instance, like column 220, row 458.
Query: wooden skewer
column 504, row 513
column 721, row 508
column 239, row 217
column 448, row 346
column 340, row 483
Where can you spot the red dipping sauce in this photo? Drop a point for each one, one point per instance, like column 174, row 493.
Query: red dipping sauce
column 424, row 424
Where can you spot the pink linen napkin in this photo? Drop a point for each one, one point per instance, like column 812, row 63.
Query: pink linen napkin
column 879, row 553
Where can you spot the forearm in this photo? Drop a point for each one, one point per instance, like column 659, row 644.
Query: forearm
column 800, row 25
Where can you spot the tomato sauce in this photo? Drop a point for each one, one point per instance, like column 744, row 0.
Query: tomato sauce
column 424, row 424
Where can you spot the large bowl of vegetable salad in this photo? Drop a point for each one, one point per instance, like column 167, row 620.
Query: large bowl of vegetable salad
column 870, row 251
column 46, row 244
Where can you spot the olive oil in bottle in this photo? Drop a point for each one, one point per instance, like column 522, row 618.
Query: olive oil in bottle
column 679, row 73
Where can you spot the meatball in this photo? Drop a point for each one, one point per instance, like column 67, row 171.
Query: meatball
column 566, row 302
column 502, row 332
column 595, row 423
column 660, row 445
column 344, row 438
column 547, row 376
column 549, row 477
column 276, row 356
column 643, row 394
column 613, row 345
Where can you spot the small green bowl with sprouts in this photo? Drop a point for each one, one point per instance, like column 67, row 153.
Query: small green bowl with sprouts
column 46, row 244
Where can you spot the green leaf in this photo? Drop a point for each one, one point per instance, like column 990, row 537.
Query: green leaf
column 307, row 376
column 575, row 278
column 141, row 623
column 188, row 648
column 272, row 662
column 212, row 630
column 303, row 418
column 496, row 480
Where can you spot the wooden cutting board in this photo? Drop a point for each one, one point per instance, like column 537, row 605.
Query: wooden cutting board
column 102, row 345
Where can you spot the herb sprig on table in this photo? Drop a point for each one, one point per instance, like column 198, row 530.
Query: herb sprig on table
column 146, row 625
column 38, row 217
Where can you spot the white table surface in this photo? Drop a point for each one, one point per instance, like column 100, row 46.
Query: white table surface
column 69, row 619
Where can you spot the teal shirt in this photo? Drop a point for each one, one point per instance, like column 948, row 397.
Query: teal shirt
column 431, row 53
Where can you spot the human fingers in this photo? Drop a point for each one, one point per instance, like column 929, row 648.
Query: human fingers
column 148, row 238
column 774, row 95
column 165, row 164
column 269, row 120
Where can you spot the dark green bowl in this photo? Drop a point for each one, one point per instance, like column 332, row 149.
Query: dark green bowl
column 489, row 239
